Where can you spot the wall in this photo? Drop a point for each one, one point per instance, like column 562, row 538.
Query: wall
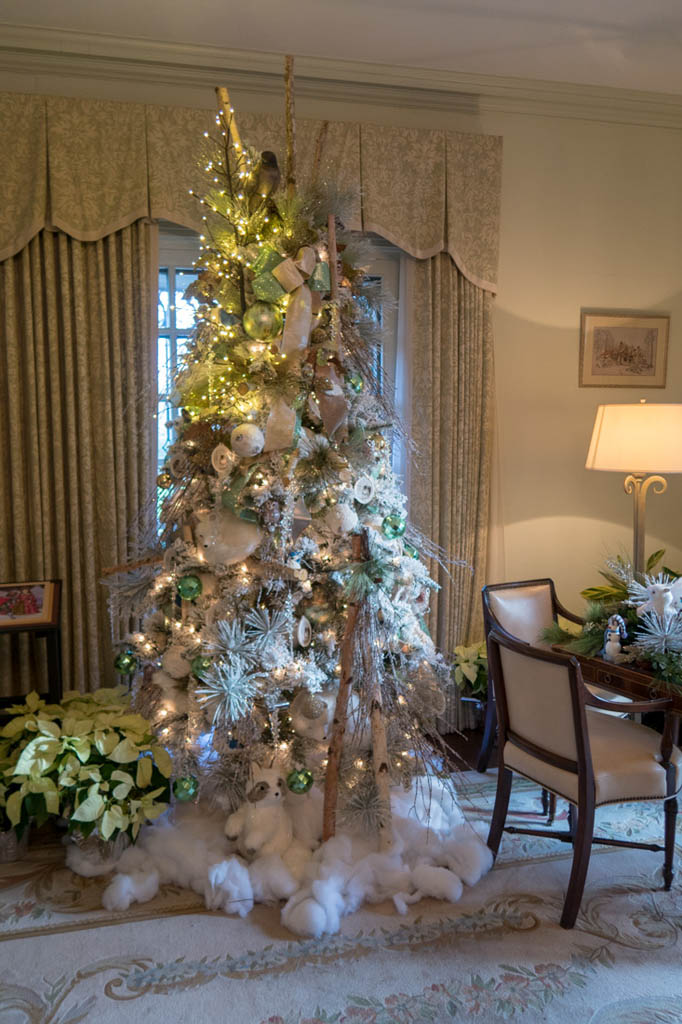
column 592, row 218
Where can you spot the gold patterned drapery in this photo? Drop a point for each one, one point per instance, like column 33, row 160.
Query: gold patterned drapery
column 77, row 395
column 451, row 365
column 91, row 167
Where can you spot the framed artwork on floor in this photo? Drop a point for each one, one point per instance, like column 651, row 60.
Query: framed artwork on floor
column 623, row 350
column 30, row 605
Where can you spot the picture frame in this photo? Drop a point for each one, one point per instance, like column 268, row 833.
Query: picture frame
column 623, row 350
column 29, row 605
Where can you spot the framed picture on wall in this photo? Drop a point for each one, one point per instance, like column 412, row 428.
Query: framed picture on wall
column 623, row 350
column 30, row 605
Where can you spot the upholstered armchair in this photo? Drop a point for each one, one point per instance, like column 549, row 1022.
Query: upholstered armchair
column 522, row 610
column 551, row 731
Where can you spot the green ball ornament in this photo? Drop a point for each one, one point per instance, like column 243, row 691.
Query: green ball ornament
column 393, row 526
column 356, row 382
column 189, row 587
column 262, row 321
column 185, row 788
column 300, row 780
column 200, row 665
column 125, row 663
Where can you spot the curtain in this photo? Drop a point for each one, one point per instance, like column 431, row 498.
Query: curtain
column 451, row 412
column 53, row 174
column 77, row 396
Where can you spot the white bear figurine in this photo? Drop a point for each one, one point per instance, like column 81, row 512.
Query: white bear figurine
column 663, row 599
column 222, row 538
column 262, row 825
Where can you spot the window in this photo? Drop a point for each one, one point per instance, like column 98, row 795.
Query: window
column 178, row 248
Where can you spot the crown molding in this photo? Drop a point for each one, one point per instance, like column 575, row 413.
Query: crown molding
column 59, row 53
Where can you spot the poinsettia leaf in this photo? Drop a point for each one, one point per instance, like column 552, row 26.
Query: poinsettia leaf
column 125, row 751
column 13, row 808
column 90, row 808
column 38, row 756
column 143, row 775
column 163, row 761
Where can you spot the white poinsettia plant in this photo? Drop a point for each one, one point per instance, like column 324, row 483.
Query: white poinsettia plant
column 471, row 668
column 88, row 759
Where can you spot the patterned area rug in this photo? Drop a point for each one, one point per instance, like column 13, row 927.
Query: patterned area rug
column 497, row 955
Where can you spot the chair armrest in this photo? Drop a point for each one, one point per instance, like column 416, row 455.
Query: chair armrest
column 565, row 614
column 632, row 707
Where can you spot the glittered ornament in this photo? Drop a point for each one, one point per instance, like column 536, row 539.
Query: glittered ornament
column 356, row 382
column 263, row 321
column 164, row 480
column 189, row 587
column 125, row 663
column 247, row 440
column 185, row 788
column 393, row 526
column 409, row 550
column 300, row 780
column 200, row 665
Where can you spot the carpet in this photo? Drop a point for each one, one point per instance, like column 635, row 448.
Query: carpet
column 497, row 955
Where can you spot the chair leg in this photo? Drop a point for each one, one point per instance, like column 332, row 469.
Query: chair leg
column 489, row 730
column 670, row 808
column 551, row 811
column 504, row 781
column 572, row 821
column 582, row 847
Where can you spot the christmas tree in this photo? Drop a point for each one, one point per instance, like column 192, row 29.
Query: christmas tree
column 286, row 617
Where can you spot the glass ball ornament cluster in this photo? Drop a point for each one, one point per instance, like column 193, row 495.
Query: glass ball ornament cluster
column 200, row 665
column 125, row 663
column 189, row 587
column 393, row 526
column 300, row 780
column 185, row 788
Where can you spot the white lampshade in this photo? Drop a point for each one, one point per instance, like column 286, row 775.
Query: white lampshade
column 638, row 438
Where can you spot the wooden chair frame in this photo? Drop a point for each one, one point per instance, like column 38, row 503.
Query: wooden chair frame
column 581, row 833
column 491, row 622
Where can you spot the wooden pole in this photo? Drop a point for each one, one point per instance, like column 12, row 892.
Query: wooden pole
column 227, row 114
column 331, row 781
column 290, row 124
column 382, row 776
column 333, row 256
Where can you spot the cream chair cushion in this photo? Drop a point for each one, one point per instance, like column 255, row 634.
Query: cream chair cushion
column 626, row 758
column 523, row 611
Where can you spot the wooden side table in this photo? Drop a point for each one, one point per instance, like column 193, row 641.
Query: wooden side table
column 20, row 614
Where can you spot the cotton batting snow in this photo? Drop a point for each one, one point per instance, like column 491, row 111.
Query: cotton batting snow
column 435, row 853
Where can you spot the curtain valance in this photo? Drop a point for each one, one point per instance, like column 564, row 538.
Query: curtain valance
column 91, row 167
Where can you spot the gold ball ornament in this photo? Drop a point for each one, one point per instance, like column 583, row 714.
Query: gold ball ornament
column 262, row 321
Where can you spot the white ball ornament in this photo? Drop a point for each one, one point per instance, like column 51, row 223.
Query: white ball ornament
column 341, row 519
column 364, row 490
column 175, row 663
column 247, row 440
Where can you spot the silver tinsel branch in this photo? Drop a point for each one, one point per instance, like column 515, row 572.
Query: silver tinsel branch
column 228, row 689
column 659, row 633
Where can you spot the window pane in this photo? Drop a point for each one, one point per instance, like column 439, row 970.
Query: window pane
column 165, row 368
column 184, row 309
column 165, row 433
column 164, row 299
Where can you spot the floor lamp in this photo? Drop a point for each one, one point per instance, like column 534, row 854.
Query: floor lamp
column 643, row 441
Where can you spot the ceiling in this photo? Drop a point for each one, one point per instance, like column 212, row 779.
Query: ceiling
column 628, row 44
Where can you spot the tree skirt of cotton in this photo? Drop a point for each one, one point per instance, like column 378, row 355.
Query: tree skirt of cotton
column 435, row 852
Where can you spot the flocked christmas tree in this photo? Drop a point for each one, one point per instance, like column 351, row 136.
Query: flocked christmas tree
column 288, row 609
